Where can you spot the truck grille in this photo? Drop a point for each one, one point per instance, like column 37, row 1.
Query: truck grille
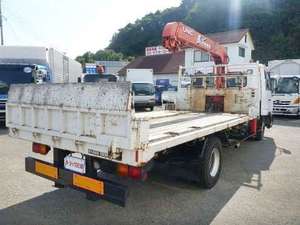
column 278, row 102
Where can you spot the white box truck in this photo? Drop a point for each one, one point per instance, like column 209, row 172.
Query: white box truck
column 99, row 141
column 142, row 87
column 285, row 76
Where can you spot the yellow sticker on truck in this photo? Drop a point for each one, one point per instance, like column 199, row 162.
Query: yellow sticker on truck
column 89, row 184
column 46, row 170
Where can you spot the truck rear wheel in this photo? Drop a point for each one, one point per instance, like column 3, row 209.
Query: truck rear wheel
column 210, row 162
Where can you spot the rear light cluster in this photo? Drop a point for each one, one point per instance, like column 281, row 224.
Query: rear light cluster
column 40, row 148
column 136, row 173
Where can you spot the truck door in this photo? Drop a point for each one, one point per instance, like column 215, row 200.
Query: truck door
column 266, row 93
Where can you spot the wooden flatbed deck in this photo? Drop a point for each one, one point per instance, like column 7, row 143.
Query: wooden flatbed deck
column 171, row 128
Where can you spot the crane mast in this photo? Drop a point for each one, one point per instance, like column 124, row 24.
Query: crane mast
column 177, row 35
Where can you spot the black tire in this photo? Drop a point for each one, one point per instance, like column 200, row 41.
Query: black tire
column 208, row 174
column 260, row 132
column 151, row 108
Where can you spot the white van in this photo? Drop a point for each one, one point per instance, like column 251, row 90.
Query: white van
column 142, row 87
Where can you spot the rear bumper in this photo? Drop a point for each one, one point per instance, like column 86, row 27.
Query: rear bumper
column 103, row 188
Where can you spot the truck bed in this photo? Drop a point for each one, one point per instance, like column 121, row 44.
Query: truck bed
column 171, row 128
column 97, row 119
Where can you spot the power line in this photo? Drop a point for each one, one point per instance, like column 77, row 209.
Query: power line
column 1, row 24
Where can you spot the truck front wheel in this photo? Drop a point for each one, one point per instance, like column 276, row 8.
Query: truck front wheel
column 210, row 162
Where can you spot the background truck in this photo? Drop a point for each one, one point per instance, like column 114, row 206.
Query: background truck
column 18, row 74
column 286, row 95
column 100, row 140
column 61, row 68
column 95, row 73
column 142, row 87
column 164, row 91
column 285, row 75
column 20, row 64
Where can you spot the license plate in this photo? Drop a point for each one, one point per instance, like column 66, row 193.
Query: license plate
column 75, row 164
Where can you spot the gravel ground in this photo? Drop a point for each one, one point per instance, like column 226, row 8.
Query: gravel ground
column 260, row 184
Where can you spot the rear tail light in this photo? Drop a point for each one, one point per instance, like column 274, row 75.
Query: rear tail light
column 122, row 170
column 136, row 173
column 40, row 148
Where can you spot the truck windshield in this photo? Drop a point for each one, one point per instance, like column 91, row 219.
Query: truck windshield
column 288, row 85
column 14, row 74
column 143, row 88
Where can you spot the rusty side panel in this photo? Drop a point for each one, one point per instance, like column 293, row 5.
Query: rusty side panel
column 235, row 100
column 106, row 96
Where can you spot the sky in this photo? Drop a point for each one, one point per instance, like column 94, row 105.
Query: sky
column 72, row 26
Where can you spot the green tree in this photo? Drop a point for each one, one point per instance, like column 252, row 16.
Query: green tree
column 108, row 55
column 101, row 55
column 87, row 57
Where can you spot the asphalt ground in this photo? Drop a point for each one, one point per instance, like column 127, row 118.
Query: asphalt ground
column 260, row 184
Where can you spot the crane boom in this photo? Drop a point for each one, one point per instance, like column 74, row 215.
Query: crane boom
column 177, row 35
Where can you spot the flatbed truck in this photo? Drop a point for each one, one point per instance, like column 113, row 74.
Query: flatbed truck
column 98, row 140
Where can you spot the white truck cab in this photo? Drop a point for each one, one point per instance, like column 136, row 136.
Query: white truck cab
column 286, row 95
column 142, row 87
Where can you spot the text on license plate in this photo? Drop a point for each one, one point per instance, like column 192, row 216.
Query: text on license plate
column 75, row 164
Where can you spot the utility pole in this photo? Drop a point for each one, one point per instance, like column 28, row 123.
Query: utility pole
column 1, row 25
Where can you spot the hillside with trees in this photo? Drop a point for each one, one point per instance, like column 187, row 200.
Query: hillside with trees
column 274, row 25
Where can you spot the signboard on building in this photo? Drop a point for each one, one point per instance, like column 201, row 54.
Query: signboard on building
column 156, row 50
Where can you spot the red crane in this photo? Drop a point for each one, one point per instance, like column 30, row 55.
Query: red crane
column 177, row 35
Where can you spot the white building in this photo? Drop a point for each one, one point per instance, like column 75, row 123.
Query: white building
column 165, row 66
column 238, row 43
